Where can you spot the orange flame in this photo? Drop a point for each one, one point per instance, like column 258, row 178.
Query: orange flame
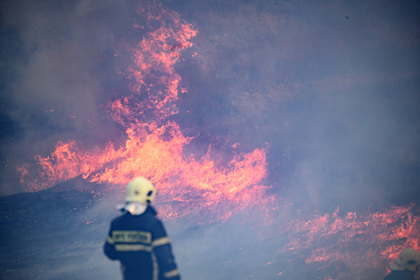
column 356, row 240
column 155, row 146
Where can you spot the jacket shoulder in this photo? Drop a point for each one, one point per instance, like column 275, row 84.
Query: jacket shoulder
column 147, row 220
column 118, row 219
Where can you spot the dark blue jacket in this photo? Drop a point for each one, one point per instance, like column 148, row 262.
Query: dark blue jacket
column 141, row 245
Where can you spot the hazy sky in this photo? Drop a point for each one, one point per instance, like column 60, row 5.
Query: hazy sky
column 332, row 88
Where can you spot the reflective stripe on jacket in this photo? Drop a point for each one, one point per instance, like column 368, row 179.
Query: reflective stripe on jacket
column 142, row 246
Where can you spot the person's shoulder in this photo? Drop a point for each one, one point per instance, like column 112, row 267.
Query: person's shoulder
column 118, row 219
column 151, row 211
column 151, row 216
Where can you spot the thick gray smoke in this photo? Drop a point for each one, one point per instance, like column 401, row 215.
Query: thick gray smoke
column 332, row 89
column 60, row 71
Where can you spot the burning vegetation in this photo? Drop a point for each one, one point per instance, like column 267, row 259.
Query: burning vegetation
column 206, row 185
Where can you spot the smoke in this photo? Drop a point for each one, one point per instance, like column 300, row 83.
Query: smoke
column 62, row 71
column 242, row 248
column 330, row 89
column 250, row 245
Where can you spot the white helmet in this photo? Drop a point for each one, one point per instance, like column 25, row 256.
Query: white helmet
column 140, row 190
column 409, row 259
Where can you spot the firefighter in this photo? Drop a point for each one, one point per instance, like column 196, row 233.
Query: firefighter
column 406, row 266
column 138, row 239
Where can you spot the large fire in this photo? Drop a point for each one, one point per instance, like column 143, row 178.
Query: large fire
column 155, row 147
